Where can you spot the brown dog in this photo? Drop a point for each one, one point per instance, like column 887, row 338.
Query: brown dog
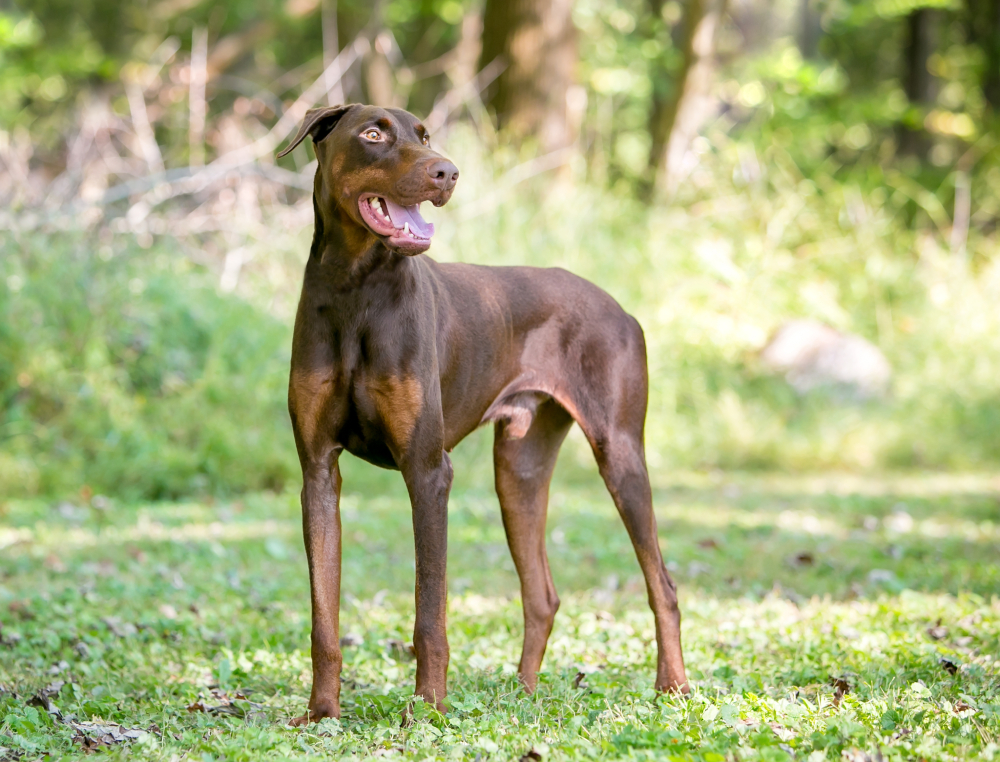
column 396, row 358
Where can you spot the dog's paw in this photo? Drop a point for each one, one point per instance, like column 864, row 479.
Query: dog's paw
column 682, row 689
column 315, row 714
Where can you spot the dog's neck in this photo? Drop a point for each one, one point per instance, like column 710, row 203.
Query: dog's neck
column 345, row 251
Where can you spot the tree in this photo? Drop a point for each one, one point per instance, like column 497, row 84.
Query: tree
column 917, row 79
column 984, row 31
column 810, row 29
column 536, row 40
column 674, row 120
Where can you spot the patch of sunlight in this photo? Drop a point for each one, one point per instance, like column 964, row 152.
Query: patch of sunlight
column 146, row 530
column 13, row 536
column 471, row 604
column 839, row 484
column 806, row 522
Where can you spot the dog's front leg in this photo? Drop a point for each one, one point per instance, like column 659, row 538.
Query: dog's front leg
column 428, row 480
column 321, row 526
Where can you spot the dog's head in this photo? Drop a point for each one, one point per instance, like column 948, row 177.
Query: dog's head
column 378, row 166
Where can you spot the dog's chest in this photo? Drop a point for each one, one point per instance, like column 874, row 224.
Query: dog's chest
column 388, row 405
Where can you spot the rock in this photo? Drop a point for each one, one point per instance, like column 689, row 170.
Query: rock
column 812, row 355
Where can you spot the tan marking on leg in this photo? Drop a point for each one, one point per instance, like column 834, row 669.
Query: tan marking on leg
column 399, row 402
column 308, row 393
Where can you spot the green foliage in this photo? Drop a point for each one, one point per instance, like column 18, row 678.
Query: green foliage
column 134, row 376
column 127, row 372
column 787, row 585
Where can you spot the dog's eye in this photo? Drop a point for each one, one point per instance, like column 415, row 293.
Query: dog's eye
column 373, row 135
column 427, row 140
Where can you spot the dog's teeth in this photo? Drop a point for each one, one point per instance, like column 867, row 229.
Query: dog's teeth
column 406, row 228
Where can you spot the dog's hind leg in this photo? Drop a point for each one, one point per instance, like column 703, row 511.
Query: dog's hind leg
column 611, row 405
column 523, row 470
column 623, row 466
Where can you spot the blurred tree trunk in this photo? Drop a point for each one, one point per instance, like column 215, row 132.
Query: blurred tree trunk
column 917, row 79
column 537, row 41
column 331, row 47
column 810, row 29
column 919, row 46
column 984, row 31
column 675, row 120
column 379, row 80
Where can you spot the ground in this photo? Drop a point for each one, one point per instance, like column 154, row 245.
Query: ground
column 824, row 618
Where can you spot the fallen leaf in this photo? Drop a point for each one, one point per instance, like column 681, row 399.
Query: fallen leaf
column 21, row 609
column 949, row 666
column 857, row 755
column 119, row 628
column 43, row 699
column 782, row 732
column 803, row 558
column 531, row 755
column 695, row 569
column 880, row 576
column 841, row 687
column 937, row 632
column 709, row 543
column 961, row 706
column 93, row 735
column 400, row 650
column 578, row 680
column 237, row 705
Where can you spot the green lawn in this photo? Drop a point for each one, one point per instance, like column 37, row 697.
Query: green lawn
column 190, row 621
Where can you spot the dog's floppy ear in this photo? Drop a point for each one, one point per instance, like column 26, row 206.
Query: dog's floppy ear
column 318, row 123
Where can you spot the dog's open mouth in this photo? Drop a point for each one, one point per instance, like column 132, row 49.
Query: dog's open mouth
column 406, row 230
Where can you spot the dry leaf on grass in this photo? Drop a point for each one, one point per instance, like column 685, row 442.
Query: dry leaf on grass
column 21, row 609
column 94, row 735
column 237, row 705
column 937, row 632
column 802, row 558
column 841, row 687
column 43, row 699
column 119, row 628
column 351, row 640
column 399, row 650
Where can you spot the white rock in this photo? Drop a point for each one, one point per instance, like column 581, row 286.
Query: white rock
column 812, row 355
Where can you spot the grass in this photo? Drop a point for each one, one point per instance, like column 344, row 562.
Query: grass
column 824, row 618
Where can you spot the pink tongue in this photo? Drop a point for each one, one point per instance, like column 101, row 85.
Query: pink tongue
column 403, row 214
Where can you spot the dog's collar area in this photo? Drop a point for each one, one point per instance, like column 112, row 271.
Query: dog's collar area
column 402, row 225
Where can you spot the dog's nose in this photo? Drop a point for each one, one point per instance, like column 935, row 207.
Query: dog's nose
column 443, row 174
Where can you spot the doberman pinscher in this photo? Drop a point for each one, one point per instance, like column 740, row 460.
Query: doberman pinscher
column 396, row 358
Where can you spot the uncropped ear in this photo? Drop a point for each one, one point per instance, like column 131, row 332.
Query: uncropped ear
column 318, row 123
